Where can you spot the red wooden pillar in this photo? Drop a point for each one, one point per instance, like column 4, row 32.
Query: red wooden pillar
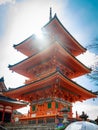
column 12, row 116
column 3, row 114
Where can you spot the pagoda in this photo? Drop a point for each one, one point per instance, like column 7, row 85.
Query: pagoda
column 50, row 66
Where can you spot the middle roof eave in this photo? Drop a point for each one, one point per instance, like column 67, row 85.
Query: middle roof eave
column 42, row 55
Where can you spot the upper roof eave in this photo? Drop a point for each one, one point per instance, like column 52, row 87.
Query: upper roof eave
column 55, row 17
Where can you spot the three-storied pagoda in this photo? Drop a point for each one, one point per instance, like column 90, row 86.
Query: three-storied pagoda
column 50, row 67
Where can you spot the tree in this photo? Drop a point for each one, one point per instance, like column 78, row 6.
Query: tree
column 93, row 47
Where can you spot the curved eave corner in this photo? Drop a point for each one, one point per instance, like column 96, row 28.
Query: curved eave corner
column 14, row 65
column 16, row 45
column 90, row 93
column 10, row 67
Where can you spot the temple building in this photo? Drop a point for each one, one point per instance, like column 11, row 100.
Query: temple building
column 50, row 66
column 7, row 104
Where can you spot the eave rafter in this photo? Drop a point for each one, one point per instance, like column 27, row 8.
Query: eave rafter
column 81, row 92
column 41, row 69
column 39, row 94
column 66, row 93
column 55, row 85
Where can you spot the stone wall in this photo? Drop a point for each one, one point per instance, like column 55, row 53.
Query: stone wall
column 31, row 127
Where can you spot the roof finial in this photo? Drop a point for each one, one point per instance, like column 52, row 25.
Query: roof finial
column 50, row 14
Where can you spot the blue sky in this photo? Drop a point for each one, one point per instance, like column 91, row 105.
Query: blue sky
column 21, row 18
column 84, row 15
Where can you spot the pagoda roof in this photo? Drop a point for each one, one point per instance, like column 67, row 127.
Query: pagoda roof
column 2, row 85
column 53, row 30
column 66, row 87
column 12, row 102
column 56, row 50
column 76, row 46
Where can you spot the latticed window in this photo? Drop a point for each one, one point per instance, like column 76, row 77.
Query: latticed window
column 56, row 105
column 49, row 104
column 33, row 108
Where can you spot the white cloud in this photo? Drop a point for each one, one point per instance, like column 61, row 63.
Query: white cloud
column 89, row 59
column 89, row 109
column 6, row 1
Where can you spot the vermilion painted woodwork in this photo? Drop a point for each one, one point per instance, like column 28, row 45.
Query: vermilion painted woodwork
column 49, row 87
